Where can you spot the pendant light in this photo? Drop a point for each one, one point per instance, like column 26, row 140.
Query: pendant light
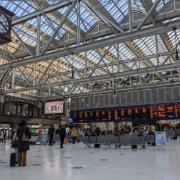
column 114, row 91
column 72, row 73
column 1, row 99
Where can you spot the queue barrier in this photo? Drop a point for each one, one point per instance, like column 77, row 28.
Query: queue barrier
column 119, row 140
column 178, row 132
column 68, row 138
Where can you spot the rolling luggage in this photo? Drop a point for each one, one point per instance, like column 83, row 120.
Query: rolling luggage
column 97, row 145
column 43, row 140
column 175, row 138
column 134, row 146
column 13, row 159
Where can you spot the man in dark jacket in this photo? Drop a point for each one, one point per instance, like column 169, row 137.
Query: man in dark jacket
column 97, row 131
column 24, row 135
column 51, row 134
column 62, row 134
column 4, row 135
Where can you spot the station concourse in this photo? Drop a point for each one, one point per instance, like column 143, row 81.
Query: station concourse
column 90, row 89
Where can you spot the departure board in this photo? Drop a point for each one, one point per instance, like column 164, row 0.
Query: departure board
column 129, row 113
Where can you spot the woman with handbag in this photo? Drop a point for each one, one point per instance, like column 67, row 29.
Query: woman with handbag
column 24, row 135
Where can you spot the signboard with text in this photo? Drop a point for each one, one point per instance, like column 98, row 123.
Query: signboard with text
column 55, row 107
column 160, row 138
column 140, row 113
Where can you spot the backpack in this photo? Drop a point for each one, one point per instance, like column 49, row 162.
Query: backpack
column 24, row 137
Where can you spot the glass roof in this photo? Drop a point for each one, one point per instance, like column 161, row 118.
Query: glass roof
column 162, row 4
column 19, row 8
column 118, row 9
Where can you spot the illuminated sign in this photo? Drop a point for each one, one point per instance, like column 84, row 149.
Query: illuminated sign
column 55, row 107
column 130, row 113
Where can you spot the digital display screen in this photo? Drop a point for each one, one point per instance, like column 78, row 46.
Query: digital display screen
column 55, row 107
column 130, row 113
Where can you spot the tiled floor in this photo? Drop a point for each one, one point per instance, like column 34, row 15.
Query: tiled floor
column 75, row 162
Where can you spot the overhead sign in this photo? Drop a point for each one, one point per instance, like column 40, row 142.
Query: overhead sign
column 142, row 113
column 55, row 107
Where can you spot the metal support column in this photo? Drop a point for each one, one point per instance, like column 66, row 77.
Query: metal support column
column 157, row 49
column 34, row 75
column 130, row 15
column 49, row 91
column 118, row 57
column 86, row 66
column 13, row 77
column 78, row 22
column 38, row 35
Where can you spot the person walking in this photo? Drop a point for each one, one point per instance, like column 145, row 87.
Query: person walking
column 1, row 136
column 24, row 135
column 12, row 133
column 51, row 134
column 74, row 134
column 62, row 134
column 4, row 135
column 97, row 131
column 171, row 132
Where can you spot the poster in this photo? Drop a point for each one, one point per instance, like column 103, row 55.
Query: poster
column 160, row 138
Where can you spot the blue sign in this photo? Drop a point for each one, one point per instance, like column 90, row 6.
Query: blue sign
column 70, row 120
column 160, row 138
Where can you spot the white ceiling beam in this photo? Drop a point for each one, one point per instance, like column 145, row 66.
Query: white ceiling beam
column 96, row 44
column 47, row 10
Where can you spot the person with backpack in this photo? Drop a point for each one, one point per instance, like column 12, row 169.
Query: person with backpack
column 23, row 135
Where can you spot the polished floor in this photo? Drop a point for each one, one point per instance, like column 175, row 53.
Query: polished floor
column 75, row 162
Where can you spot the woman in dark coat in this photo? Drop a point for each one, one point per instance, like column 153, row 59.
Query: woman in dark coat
column 62, row 134
column 24, row 135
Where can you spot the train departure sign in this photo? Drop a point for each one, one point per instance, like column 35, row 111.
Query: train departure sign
column 137, row 114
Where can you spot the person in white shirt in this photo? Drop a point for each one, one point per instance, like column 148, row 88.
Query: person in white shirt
column 1, row 136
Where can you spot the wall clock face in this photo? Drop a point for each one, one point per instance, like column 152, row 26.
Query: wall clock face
column 4, row 24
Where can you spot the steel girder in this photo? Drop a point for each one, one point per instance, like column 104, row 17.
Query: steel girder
column 153, row 15
column 166, row 27
column 102, row 34
column 123, row 75
column 127, row 84
column 47, row 10
column 106, row 31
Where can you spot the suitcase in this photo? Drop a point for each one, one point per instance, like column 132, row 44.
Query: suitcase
column 13, row 159
column 97, row 145
column 175, row 137
column 134, row 146
column 43, row 139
